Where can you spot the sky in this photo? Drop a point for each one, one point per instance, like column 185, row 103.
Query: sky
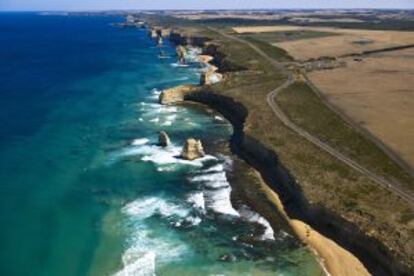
column 64, row 5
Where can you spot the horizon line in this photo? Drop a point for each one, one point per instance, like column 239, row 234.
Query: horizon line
column 206, row 9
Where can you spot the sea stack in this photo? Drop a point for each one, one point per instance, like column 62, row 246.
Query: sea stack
column 163, row 139
column 181, row 54
column 192, row 149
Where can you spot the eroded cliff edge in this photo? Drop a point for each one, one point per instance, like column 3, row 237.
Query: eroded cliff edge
column 377, row 257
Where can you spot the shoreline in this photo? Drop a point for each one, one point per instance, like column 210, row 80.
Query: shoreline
column 332, row 258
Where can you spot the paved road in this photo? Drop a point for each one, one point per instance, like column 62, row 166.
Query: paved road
column 392, row 186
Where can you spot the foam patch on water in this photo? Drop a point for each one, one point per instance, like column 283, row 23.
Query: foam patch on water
column 147, row 207
column 212, row 180
column 215, row 168
column 179, row 65
column 197, row 201
column 192, row 54
column 216, row 190
column 147, row 249
column 158, row 155
column 251, row 216
column 155, row 93
column 219, row 202
column 137, row 263
column 140, row 141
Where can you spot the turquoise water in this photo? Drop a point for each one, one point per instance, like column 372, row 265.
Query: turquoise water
column 84, row 188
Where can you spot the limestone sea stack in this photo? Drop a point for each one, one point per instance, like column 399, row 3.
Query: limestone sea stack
column 163, row 139
column 180, row 50
column 192, row 149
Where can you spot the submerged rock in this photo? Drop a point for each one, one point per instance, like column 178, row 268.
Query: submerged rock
column 163, row 139
column 192, row 149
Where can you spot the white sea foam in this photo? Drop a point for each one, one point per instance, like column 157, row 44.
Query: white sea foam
column 146, row 247
column 171, row 117
column 146, row 207
column 211, row 177
column 215, row 168
column 155, row 120
column 137, row 263
column 155, row 93
column 192, row 54
column 218, row 118
column 176, row 64
column 158, row 155
column 248, row 214
column 219, row 201
column 167, row 123
column 197, row 201
column 140, row 141
column 212, row 180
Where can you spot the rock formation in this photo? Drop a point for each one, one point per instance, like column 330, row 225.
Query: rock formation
column 180, row 50
column 210, row 77
column 163, row 139
column 192, row 149
column 175, row 94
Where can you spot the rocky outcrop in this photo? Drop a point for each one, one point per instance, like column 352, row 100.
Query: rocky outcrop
column 210, row 77
column 163, row 139
column 180, row 50
column 176, row 94
column 153, row 33
column 156, row 32
column 192, row 149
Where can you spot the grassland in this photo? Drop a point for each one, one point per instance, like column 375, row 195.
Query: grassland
column 306, row 109
column 274, row 37
column 346, row 42
column 378, row 97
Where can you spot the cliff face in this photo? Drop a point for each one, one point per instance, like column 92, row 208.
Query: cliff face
column 370, row 251
column 182, row 39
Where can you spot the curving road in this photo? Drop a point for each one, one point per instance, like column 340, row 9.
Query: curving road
column 391, row 186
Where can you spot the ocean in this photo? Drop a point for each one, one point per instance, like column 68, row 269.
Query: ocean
column 84, row 187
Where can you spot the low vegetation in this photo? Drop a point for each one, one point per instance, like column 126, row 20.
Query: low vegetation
column 274, row 37
column 306, row 109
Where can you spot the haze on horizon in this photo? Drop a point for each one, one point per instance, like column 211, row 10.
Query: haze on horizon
column 78, row 5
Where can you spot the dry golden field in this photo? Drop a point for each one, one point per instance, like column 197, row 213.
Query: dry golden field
column 378, row 94
column 349, row 41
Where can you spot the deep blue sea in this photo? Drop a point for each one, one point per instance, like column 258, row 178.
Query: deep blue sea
column 84, row 188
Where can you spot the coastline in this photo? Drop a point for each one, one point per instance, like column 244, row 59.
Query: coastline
column 333, row 259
